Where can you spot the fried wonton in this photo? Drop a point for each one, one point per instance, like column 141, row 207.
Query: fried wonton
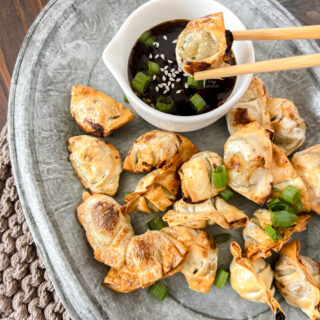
column 108, row 230
column 156, row 148
column 196, row 177
column 253, row 280
column 97, row 113
column 251, row 107
column 96, row 162
column 150, row 257
column 307, row 165
column 298, row 280
column 284, row 175
column 201, row 264
column 257, row 242
column 289, row 128
column 202, row 44
column 211, row 211
column 156, row 191
column 248, row 159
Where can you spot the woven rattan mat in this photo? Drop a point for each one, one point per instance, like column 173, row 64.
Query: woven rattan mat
column 25, row 289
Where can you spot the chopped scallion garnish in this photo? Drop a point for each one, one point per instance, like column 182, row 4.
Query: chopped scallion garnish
column 159, row 290
column 282, row 207
column 153, row 68
column 125, row 194
column 192, row 82
column 274, row 234
column 164, row 104
column 141, row 82
column 144, row 36
column 298, row 206
column 291, row 194
column 198, row 102
column 221, row 278
column 156, row 223
column 226, row 194
column 274, row 201
column 125, row 99
column 150, row 41
column 220, row 178
column 283, row 219
column 222, row 238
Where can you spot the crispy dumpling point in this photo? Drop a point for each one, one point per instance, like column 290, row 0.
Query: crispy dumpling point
column 284, row 175
column 96, row 112
column 251, row 107
column 150, row 257
column 197, row 216
column 156, row 148
column 298, row 280
column 108, row 231
column 248, row 159
column 196, row 177
column 96, row 162
column 156, row 191
column 253, row 280
column 257, row 242
column 202, row 44
column 201, row 264
column 307, row 165
column 289, row 128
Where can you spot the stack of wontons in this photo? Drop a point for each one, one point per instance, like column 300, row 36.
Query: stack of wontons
column 264, row 132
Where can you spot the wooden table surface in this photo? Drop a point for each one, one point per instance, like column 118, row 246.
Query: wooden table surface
column 17, row 15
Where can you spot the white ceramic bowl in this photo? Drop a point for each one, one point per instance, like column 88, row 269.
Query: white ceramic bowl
column 116, row 56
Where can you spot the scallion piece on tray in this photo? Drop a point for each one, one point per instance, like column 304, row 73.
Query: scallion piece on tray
column 156, row 223
column 144, row 36
column 141, row 82
column 226, row 194
column 150, row 41
column 273, row 202
column 153, row 68
column 298, row 206
column 198, row 102
column 282, row 207
column 192, row 82
column 274, row 234
column 125, row 194
column 222, row 238
column 220, row 178
column 159, row 290
column 125, row 99
column 164, row 104
column 283, row 219
column 291, row 194
column 221, row 278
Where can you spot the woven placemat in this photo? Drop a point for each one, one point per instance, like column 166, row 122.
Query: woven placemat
column 26, row 291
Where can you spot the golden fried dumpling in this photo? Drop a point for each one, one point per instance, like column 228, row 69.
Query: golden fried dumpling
column 156, row 191
column 196, row 177
column 150, row 257
column 96, row 162
column 253, row 280
column 257, row 242
column 307, row 165
column 156, row 148
column 97, row 113
column 108, row 230
column 289, row 128
column 202, row 44
column 251, row 107
column 284, row 175
column 201, row 264
column 298, row 280
column 248, row 159
column 211, row 211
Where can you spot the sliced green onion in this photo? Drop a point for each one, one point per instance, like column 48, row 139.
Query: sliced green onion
column 159, row 290
column 150, row 41
column 222, row 238
column 201, row 84
column 144, row 36
column 220, row 178
column 276, row 190
column 283, row 219
column 153, row 68
column 282, row 207
column 164, row 104
column 291, row 194
column 274, row 234
column 156, row 223
column 226, row 194
column 198, row 102
column 298, row 206
column 192, row 82
column 221, row 278
column 125, row 99
column 125, row 194
column 141, row 82
column 274, row 201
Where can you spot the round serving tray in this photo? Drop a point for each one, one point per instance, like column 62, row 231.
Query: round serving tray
column 63, row 47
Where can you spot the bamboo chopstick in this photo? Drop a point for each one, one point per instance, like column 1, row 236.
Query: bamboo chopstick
column 305, row 32
column 298, row 62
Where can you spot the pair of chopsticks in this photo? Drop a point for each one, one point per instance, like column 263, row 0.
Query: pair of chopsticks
column 298, row 62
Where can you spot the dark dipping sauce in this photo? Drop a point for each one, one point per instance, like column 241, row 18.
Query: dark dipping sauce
column 215, row 93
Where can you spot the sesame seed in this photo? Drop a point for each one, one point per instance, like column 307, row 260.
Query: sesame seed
column 162, row 56
column 165, row 37
column 174, row 41
column 164, row 78
column 166, row 67
column 171, row 79
column 176, row 72
column 172, row 86
column 157, row 44
column 166, row 72
column 173, row 75
column 157, row 56
column 166, row 91
column 161, row 69
column 157, row 89
column 150, row 56
column 170, row 61
column 177, row 92
column 172, row 70
column 154, row 77
column 178, row 80
column 186, row 85
column 169, row 83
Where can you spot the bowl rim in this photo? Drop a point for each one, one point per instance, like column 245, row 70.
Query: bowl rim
column 215, row 113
